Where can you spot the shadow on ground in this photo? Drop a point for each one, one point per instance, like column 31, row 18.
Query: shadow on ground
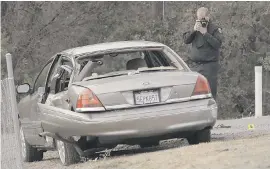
column 125, row 150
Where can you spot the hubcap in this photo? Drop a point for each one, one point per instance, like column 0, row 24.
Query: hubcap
column 61, row 151
column 23, row 144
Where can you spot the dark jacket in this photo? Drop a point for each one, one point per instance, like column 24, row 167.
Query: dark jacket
column 205, row 48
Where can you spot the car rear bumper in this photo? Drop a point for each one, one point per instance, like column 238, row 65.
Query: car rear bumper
column 131, row 123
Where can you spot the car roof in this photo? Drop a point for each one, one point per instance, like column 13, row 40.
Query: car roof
column 110, row 46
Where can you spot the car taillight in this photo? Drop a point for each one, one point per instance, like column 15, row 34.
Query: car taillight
column 87, row 99
column 201, row 87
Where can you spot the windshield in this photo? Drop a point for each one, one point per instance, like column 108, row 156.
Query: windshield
column 124, row 63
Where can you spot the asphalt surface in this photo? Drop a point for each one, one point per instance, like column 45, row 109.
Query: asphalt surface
column 241, row 128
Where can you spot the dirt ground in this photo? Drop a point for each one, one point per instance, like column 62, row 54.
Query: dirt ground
column 248, row 153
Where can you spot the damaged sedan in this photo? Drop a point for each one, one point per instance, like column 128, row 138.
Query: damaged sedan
column 92, row 98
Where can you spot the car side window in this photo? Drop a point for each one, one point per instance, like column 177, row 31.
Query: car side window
column 60, row 78
column 65, row 76
column 41, row 79
column 52, row 74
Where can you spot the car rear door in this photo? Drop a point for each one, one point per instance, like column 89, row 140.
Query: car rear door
column 30, row 113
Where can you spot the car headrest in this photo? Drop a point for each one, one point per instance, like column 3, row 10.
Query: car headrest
column 136, row 63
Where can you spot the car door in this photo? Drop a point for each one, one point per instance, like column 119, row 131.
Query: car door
column 30, row 113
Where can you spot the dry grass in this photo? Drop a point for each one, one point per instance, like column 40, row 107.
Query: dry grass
column 244, row 153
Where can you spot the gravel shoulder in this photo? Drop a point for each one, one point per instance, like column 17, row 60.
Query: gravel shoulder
column 246, row 153
column 233, row 146
column 249, row 153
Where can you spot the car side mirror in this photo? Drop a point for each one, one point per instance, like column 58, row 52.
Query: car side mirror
column 23, row 89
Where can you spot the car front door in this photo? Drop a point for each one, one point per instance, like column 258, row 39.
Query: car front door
column 30, row 113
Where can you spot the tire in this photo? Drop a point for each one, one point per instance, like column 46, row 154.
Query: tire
column 29, row 154
column 202, row 136
column 67, row 153
column 149, row 144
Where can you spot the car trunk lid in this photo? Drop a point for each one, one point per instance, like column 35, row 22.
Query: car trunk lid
column 142, row 89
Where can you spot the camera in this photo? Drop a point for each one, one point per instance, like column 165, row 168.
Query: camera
column 203, row 21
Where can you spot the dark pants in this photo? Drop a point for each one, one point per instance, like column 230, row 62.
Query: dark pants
column 210, row 71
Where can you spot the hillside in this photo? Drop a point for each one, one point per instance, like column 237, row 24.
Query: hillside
column 34, row 31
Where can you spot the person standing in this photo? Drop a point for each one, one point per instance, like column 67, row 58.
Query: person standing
column 206, row 39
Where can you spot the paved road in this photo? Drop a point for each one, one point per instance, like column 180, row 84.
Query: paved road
column 239, row 128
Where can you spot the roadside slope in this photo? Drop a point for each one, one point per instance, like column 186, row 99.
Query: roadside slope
column 248, row 153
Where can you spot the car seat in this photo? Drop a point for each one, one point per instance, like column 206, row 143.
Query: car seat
column 135, row 64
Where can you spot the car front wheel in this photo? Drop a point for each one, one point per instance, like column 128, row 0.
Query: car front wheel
column 29, row 154
column 67, row 153
column 201, row 136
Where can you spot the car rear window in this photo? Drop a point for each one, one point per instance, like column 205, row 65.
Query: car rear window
column 125, row 61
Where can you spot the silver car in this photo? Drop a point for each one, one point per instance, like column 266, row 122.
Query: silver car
column 90, row 98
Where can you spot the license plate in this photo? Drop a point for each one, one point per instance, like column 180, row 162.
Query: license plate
column 146, row 97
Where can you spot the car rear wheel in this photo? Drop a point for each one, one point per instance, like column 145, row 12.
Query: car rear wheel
column 67, row 153
column 29, row 154
column 201, row 136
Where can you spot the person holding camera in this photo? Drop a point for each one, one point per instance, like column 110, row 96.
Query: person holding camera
column 206, row 39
